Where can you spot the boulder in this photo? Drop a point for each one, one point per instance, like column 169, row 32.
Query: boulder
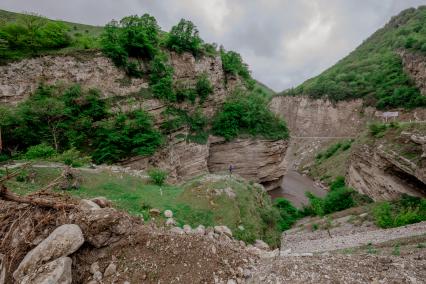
column 86, row 204
column 105, row 226
column 187, row 229
column 177, row 230
column 110, row 270
column 170, row 222
column 102, row 201
column 54, row 272
column 200, row 230
column 261, row 245
column 168, row 214
column 2, row 269
column 154, row 212
column 63, row 241
column 223, row 230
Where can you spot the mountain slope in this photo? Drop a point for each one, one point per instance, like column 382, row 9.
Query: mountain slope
column 374, row 71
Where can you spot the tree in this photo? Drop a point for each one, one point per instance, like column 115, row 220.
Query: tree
column 6, row 119
column 184, row 37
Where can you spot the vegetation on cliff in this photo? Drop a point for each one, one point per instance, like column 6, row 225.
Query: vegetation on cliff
column 374, row 70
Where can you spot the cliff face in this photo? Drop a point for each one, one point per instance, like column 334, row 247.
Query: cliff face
column 415, row 66
column 320, row 118
column 257, row 160
column 388, row 168
column 315, row 124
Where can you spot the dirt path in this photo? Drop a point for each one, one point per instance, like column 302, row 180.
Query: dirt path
column 292, row 245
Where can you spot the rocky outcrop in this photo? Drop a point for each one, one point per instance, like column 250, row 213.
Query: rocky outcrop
column 383, row 173
column 261, row 161
column 415, row 66
column 257, row 160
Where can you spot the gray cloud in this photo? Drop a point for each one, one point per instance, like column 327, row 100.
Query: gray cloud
column 285, row 42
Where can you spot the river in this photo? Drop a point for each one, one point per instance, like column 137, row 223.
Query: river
column 294, row 186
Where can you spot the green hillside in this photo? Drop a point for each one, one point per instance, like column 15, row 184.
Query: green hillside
column 374, row 70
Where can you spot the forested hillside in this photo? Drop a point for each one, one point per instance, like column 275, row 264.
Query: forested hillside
column 374, row 70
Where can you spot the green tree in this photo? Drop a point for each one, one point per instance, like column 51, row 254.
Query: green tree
column 184, row 37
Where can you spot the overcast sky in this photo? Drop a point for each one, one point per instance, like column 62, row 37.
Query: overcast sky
column 284, row 41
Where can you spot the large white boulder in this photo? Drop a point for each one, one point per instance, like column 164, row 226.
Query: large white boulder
column 54, row 272
column 63, row 241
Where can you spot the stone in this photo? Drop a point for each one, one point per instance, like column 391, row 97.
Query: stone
column 102, row 201
column 168, row 214
column 85, row 204
column 2, row 269
column 170, row 222
column 177, row 230
column 200, row 230
column 223, row 230
column 94, row 267
column 154, row 212
column 54, row 272
column 63, row 241
column 261, row 245
column 110, row 270
column 231, row 281
column 187, row 229
column 97, row 276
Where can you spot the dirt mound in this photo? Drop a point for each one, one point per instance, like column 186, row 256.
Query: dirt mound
column 136, row 251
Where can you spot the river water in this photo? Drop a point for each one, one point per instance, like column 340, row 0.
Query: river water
column 294, row 186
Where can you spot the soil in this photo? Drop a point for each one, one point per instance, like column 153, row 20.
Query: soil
column 141, row 252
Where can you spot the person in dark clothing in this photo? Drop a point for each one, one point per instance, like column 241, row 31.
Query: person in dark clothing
column 231, row 169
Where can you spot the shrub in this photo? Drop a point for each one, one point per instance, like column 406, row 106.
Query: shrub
column 289, row 214
column 383, row 215
column 248, row 113
column 338, row 198
column 232, row 63
column 406, row 210
column 126, row 135
column 40, row 151
column 73, row 157
column 184, row 37
column 377, row 129
column 157, row 176
column 161, row 78
column 204, row 88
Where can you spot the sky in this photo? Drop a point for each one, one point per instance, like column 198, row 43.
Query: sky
column 285, row 42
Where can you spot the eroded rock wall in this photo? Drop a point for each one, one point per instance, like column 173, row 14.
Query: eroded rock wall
column 254, row 159
column 382, row 171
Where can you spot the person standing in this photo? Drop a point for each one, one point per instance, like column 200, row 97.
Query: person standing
column 231, row 169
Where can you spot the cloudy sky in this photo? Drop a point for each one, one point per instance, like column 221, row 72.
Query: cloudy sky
column 284, row 41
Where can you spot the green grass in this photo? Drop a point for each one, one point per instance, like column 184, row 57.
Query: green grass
column 374, row 70
column 194, row 203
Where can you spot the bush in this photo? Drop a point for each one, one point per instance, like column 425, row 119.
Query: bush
column 232, row 63
column 377, row 129
column 407, row 210
column 125, row 135
column 184, row 37
column 289, row 214
column 157, row 176
column 161, row 78
column 338, row 198
column 41, row 151
column 204, row 88
column 73, row 157
column 248, row 113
